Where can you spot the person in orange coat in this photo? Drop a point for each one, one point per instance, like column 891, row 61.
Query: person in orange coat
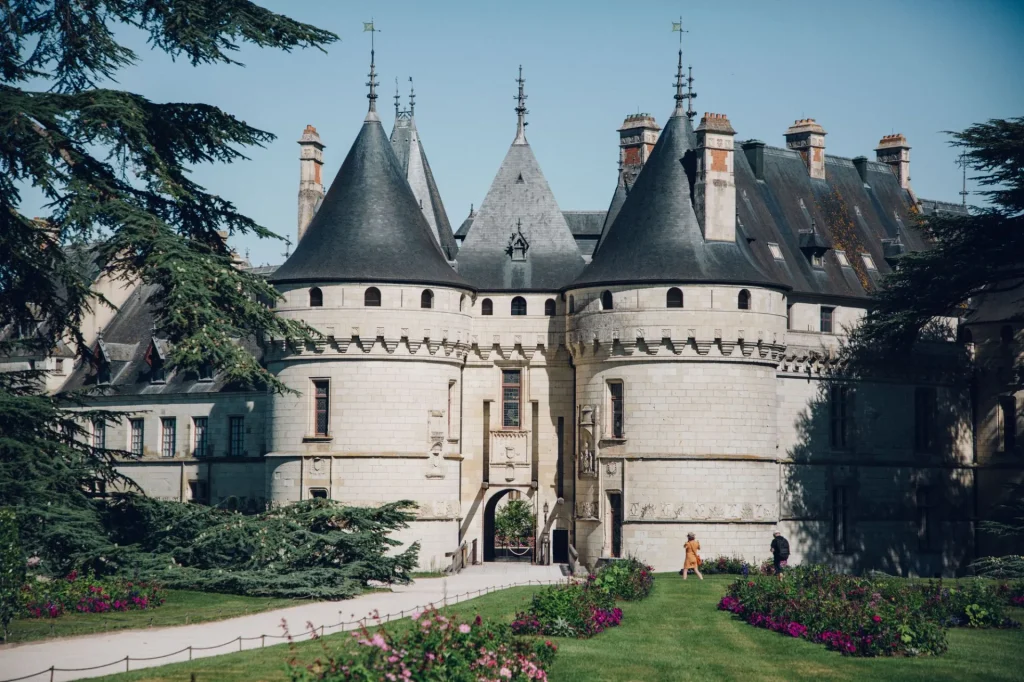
column 692, row 558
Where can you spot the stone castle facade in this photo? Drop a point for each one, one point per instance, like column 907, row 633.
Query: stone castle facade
column 638, row 373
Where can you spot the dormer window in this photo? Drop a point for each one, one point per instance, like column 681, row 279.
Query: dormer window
column 869, row 262
column 517, row 244
column 841, row 257
column 206, row 372
column 817, row 260
column 776, row 251
column 813, row 246
column 155, row 357
column 102, row 372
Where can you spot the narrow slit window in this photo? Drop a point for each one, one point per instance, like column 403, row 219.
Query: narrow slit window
column 321, row 407
column 607, row 303
column 316, row 298
column 236, row 443
column 924, row 418
column 840, row 519
column 743, row 300
column 840, row 411
column 827, row 315
column 617, row 408
column 427, row 299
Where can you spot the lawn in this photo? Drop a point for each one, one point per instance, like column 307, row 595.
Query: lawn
column 676, row 634
column 180, row 607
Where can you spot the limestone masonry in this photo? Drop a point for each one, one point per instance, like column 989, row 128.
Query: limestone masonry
column 636, row 374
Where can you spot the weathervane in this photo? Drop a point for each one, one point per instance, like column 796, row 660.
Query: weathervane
column 689, row 95
column 962, row 162
column 412, row 98
column 397, row 98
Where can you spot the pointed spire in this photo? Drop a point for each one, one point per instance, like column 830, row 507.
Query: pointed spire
column 412, row 98
column 521, row 111
column 397, row 98
column 371, row 115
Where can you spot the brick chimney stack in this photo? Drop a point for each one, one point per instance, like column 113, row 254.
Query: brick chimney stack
column 715, row 189
column 894, row 151
column 637, row 137
column 311, row 188
column 808, row 138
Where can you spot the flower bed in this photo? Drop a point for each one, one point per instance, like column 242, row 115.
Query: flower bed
column 82, row 594
column 862, row 616
column 1012, row 594
column 435, row 648
column 628, row 579
column 573, row 609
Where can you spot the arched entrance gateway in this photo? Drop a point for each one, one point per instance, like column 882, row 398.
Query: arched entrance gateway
column 499, row 543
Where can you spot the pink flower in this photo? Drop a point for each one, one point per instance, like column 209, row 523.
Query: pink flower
column 505, row 672
column 464, row 629
column 877, row 619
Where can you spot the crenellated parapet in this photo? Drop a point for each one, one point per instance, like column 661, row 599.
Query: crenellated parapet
column 609, row 344
column 376, row 342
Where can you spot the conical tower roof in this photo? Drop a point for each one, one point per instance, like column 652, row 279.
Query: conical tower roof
column 520, row 207
column 405, row 139
column 369, row 227
column 618, row 199
column 656, row 237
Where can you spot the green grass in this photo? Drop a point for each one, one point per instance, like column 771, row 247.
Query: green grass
column 677, row 634
column 181, row 606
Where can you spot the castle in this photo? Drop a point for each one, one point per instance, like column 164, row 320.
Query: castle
column 635, row 373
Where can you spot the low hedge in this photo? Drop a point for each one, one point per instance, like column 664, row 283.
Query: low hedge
column 865, row 616
column 628, row 579
column 436, row 647
column 84, row 594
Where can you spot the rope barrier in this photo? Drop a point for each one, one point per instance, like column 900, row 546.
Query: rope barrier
column 386, row 618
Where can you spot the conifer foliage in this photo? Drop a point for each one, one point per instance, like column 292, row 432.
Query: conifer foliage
column 114, row 168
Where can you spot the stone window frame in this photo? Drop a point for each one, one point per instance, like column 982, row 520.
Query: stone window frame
column 136, row 436
column 168, row 436
column 520, row 387
column 372, row 298
column 319, row 493
column 744, row 300
column 607, row 300
column 200, row 436
column 315, row 398
column 236, row 446
column 841, row 405
column 518, row 306
column 572, row 304
column 487, row 307
column 830, row 311
column 610, row 402
column 550, row 307
column 427, row 299
column 99, row 434
column 316, row 297
column 670, row 301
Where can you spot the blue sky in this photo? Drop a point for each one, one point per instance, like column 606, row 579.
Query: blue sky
column 862, row 69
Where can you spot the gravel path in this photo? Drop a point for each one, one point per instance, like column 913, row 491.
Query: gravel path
column 20, row 661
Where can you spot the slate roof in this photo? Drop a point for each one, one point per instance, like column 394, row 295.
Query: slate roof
column 656, row 237
column 466, row 224
column 849, row 213
column 124, row 344
column 370, row 227
column 519, row 194
column 405, row 139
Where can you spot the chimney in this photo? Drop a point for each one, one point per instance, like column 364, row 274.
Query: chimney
column 808, row 138
column 311, row 188
column 754, row 149
column 894, row 152
column 861, row 164
column 637, row 137
column 715, row 189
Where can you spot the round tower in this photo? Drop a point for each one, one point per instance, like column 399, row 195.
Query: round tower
column 375, row 416
column 675, row 333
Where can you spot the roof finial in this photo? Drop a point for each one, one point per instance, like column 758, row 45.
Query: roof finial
column 412, row 98
column 690, row 94
column 397, row 98
column 371, row 115
column 521, row 111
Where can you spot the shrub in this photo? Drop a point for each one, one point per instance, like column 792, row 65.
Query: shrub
column 1012, row 594
column 1011, row 566
column 865, row 616
column 12, row 570
column 724, row 564
column 436, row 647
column 629, row 579
column 54, row 598
column 573, row 609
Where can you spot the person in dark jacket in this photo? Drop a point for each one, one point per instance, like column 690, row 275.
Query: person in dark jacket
column 780, row 552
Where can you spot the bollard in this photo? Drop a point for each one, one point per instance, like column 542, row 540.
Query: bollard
column 190, row 652
column 51, row 673
column 239, row 642
column 127, row 661
column 263, row 641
